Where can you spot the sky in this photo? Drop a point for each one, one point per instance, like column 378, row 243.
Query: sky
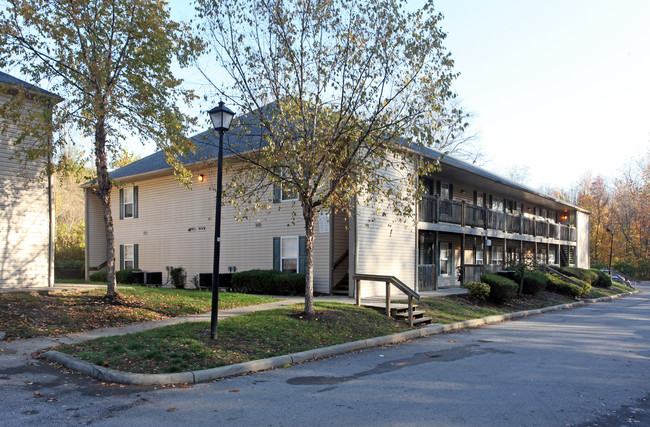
column 560, row 88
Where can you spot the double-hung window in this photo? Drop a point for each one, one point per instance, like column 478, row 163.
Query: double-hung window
column 128, row 256
column 129, row 202
column 289, row 255
column 283, row 191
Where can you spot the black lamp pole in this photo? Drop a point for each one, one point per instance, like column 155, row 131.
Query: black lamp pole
column 221, row 118
column 611, row 249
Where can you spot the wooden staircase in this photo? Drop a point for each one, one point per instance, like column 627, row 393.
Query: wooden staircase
column 401, row 312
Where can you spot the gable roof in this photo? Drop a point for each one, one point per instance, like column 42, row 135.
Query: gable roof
column 247, row 134
column 9, row 80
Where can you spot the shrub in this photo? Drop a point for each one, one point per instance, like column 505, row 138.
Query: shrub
column 580, row 273
column 270, row 282
column 477, row 290
column 122, row 276
column 564, row 287
column 604, row 279
column 534, row 282
column 98, row 276
column 502, row 289
column 179, row 277
column 125, row 276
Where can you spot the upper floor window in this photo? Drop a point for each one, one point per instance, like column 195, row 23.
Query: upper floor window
column 497, row 204
column 284, row 191
column 129, row 202
column 445, row 190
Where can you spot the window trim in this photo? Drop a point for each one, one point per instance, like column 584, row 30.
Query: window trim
column 282, row 257
column 125, row 203
column 132, row 259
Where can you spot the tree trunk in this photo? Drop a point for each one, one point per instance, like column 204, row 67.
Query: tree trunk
column 103, row 191
column 308, row 214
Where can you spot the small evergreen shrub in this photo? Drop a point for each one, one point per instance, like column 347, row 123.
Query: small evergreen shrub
column 179, row 277
column 478, row 290
column 502, row 289
column 269, row 282
column 534, row 282
column 604, row 279
column 98, row 276
column 122, row 276
column 125, row 276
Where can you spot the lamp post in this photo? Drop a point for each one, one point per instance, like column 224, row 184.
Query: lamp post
column 611, row 249
column 221, row 117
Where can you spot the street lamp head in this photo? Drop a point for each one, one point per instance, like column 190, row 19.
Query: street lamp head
column 221, row 117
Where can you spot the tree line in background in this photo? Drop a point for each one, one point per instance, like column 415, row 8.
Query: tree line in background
column 620, row 217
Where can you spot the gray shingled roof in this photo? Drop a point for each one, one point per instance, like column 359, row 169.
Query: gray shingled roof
column 13, row 81
column 244, row 136
column 237, row 140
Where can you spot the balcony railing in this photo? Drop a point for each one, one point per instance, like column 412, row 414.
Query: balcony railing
column 434, row 209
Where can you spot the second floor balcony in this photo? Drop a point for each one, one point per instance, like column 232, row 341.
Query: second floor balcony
column 434, row 209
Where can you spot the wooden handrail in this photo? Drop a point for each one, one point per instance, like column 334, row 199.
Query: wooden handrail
column 389, row 280
column 341, row 259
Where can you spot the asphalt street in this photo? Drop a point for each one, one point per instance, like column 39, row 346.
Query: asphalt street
column 584, row 366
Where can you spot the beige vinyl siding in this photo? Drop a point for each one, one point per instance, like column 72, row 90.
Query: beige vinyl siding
column 175, row 227
column 25, row 221
column 463, row 193
column 95, row 231
column 385, row 244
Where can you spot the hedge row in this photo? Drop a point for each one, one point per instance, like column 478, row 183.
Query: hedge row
column 122, row 276
column 268, row 282
column 564, row 287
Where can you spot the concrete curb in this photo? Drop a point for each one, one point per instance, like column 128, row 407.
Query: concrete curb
column 111, row 375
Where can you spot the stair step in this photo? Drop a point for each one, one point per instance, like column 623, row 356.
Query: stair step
column 422, row 320
column 405, row 315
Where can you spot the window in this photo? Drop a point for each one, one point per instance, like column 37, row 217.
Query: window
column 129, row 202
column 479, row 199
column 128, row 256
column 445, row 259
column 478, row 255
column 445, row 192
column 497, row 204
column 284, row 191
column 289, row 254
column 497, row 255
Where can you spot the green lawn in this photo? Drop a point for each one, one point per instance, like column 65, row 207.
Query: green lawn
column 254, row 336
column 27, row 315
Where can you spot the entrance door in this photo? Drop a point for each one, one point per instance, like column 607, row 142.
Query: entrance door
column 426, row 260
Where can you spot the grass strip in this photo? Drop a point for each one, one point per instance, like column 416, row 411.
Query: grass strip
column 254, row 336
